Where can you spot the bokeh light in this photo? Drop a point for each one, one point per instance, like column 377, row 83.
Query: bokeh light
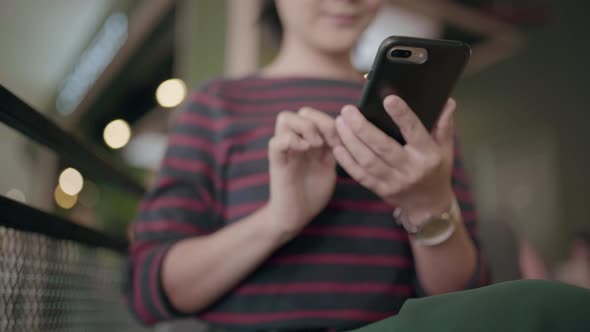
column 171, row 93
column 71, row 181
column 16, row 195
column 64, row 200
column 117, row 134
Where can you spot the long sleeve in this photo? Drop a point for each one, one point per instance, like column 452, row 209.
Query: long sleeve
column 462, row 190
column 183, row 203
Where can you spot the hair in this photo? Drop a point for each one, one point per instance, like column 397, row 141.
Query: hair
column 270, row 21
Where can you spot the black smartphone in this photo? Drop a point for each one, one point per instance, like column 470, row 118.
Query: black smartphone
column 423, row 72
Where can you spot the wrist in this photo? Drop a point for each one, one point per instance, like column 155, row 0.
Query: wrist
column 418, row 210
column 275, row 227
column 432, row 228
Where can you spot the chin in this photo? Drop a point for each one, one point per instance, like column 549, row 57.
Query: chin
column 338, row 43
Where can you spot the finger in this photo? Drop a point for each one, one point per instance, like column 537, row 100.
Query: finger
column 324, row 122
column 409, row 124
column 279, row 146
column 380, row 143
column 356, row 171
column 322, row 155
column 444, row 131
column 361, row 153
column 291, row 122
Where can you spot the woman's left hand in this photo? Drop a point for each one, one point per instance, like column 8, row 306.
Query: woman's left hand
column 415, row 176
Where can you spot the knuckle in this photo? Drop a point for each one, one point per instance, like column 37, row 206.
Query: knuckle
column 383, row 149
column 420, row 173
column 334, row 135
column 327, row 126
column 404, row 186
column 304, row 111
column 431, row 162
column 358, row 174
column 366, row 181
column 368, row 162
column 436, row 161
column 274, row 143
column 358, row 126
column 307, row 125
column 410, row 180
column 283, row 117
column 402, row 112
column 411, row 124
column 289, row 139
column 383, row 189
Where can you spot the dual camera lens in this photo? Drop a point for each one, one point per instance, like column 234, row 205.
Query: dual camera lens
column 398, row 53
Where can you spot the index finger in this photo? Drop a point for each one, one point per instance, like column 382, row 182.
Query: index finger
column 384, row 146
column 325, row 124
column 409, row 124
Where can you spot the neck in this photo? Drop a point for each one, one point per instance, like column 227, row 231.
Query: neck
column 295, row 59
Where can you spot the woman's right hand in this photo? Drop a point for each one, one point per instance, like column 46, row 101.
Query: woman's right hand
column 302, row 169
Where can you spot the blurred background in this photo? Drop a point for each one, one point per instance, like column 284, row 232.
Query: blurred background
column 111, row 74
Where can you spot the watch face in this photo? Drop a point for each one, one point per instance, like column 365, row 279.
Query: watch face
column 433, row 228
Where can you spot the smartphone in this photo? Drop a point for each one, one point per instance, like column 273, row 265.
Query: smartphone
column 423, row 72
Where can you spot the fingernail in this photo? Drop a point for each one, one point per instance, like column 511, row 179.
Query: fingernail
column 392, row 104
column 453, row 102
column 350, row 114
column 453, row 106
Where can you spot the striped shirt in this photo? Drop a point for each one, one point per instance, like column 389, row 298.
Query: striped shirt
column 350, row 266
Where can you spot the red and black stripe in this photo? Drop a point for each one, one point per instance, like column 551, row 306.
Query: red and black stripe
column 351, row 266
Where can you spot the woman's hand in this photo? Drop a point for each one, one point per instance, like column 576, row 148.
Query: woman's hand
column 302, row 168
column 416, row 176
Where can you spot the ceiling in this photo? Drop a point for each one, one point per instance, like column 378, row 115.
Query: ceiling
column 41, row 40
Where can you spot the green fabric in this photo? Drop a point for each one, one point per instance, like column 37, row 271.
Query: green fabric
column 523, row 306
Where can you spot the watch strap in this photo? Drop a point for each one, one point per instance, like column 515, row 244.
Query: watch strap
column 422, row 232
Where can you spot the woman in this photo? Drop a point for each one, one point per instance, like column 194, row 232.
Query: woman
column 250, row 227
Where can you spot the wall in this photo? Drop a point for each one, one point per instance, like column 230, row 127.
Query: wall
column 539, row 95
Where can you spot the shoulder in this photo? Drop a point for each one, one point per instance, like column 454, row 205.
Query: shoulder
column 214, row 93
column 217, row 100
column 224, row 87
column 205, row 97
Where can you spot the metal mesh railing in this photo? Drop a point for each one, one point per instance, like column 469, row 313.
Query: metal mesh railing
column 59, row 285
column 57, row 275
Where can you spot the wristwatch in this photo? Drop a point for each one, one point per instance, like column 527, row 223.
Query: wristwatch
column 434, row 229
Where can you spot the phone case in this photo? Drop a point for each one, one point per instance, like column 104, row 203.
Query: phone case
column 424, row 87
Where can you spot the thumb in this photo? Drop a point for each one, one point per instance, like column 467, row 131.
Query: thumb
column 279, row 148
column 444, row 131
